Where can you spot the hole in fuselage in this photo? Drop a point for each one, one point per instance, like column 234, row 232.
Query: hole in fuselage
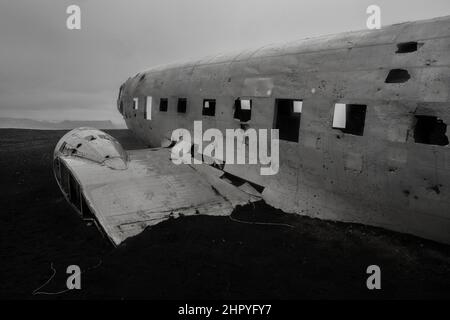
column 430, row 130
column 397, row 76
column 407, row 47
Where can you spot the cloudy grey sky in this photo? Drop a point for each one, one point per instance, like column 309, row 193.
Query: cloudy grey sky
column 49, row 72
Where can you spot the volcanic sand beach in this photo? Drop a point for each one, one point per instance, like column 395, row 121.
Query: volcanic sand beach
column 198, row 256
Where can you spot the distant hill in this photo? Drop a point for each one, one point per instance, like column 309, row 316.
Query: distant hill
column 62, row 125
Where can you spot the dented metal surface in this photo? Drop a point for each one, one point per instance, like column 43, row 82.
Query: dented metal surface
column 146, row 190
column 382, row 178
column 93, row 145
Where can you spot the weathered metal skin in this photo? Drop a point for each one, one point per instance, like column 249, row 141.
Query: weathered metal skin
column 94, row 145
column 86, row 145
column 125, row 192
column 382, row 178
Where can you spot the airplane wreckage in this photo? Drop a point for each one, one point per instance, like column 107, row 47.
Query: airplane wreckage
column 363, row 137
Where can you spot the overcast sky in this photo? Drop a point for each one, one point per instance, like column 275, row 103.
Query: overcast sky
column 52, row 73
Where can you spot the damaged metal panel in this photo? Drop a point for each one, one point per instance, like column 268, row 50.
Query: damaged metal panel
column 147, row 190
column 383, row 177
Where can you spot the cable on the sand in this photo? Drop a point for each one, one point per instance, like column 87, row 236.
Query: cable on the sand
column 37, row 292
column 262, row 223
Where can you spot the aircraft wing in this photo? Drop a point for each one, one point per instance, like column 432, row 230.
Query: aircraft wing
column 147, row 190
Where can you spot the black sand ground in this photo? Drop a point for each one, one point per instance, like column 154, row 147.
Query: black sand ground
column 194, row 257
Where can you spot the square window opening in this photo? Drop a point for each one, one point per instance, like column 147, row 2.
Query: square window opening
column 288, row 116
column 209, row 107
column 182, row 105
column 243, row 110
column 430, row 130
column 350, row 118
column 163, row 104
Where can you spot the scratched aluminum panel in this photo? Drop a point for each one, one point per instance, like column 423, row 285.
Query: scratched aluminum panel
column 151, row 190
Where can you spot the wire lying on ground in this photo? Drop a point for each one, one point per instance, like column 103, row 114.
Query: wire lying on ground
column 262, row 223
column 37, row 292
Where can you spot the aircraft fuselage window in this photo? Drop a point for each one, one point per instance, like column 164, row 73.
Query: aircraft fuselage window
column 350, row 118
column 209, row 107
column 182, row 105
column 288, row 115
column 430, row 130
column 148, row 108
column 243, row 110
column 163, row 104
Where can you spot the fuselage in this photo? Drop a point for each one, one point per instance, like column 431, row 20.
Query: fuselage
column 387, row 165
